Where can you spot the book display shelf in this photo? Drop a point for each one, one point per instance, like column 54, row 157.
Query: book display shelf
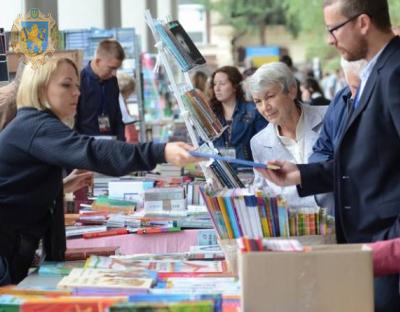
column 179, row 56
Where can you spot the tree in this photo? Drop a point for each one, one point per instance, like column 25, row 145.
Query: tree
column 311, row 24
column 249, row 16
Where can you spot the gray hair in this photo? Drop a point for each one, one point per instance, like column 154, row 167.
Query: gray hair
column 355, row 67
column 269, row 75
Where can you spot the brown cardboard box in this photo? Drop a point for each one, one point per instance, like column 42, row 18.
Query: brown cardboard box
column 328, row 278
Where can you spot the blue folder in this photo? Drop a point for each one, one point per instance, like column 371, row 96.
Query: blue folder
column 242, row 162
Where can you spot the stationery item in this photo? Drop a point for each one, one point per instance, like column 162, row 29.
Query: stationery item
column 84, row 253
column 158, row 230
column 233, row 160
column 105, row 233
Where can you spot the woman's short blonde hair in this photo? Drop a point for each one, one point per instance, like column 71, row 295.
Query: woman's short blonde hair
column 34, row 82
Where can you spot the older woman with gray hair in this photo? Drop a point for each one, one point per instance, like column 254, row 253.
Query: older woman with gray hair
column 292, row 130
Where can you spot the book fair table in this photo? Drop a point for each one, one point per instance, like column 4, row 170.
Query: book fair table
column 149, row 243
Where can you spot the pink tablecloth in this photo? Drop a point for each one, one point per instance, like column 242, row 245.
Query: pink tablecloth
column 149, row 243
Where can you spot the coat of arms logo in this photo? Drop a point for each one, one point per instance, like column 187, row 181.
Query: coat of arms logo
column 34, row 35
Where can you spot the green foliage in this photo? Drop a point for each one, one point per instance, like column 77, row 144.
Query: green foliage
column 301, row 17
column 249, row 16
column 394, row 7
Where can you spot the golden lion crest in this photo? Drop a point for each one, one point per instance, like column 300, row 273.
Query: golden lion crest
column 34, row 35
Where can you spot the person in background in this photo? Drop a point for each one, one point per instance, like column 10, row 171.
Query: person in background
column 241, row 117
column 286, row 59
column 98, row 111
column 36, row 146
column 8, row 95
column 337, row 113
column 292, row 130
column 311, row 92
column 335, row 120
column 126, row 88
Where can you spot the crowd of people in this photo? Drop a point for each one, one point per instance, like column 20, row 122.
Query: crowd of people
column 338, row 139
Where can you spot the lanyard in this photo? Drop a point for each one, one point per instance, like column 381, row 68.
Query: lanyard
column 103, row 100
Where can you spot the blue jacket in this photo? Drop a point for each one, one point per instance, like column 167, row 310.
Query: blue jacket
column 323, row 149
column 334, row 121
column 246, row 122
column 98, row 97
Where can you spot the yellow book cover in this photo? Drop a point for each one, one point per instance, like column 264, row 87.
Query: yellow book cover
column 222, row 207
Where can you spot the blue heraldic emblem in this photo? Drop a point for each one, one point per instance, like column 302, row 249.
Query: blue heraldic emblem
column 35, row 36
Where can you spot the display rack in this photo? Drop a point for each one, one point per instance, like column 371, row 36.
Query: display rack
column 180, row 86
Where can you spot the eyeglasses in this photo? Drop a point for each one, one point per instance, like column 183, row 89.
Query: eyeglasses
column 334, row 28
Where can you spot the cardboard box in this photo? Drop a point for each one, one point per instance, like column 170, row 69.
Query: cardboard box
column 328, row 278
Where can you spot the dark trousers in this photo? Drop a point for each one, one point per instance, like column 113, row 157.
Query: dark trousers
column 17, row 257
column 387, row 297
column 5, row 278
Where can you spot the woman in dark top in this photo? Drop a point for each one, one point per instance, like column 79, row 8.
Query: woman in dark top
column 311, row 93
column 35, row 147
column 241, row 117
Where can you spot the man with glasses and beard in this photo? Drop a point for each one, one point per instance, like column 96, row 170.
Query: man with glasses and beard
column 365, row 171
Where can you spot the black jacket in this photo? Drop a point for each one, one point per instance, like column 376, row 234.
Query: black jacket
column 35, row 147
column 365, row 172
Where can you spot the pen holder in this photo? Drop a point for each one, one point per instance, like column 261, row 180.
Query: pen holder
column 230, row 249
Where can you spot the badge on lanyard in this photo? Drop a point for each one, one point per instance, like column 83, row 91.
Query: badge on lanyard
column 228, row 152
column 104, row 123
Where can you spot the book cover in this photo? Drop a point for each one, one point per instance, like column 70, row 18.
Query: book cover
column 186, row 43
column 106, row 279
column 59, row 268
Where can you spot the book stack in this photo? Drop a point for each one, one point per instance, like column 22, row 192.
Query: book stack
column 73, row 231
column 243, row 213
column 158, row 201
column 179, row 44
column 129, row 189
column 168, row 170
column 205, row 121
column 109, row 205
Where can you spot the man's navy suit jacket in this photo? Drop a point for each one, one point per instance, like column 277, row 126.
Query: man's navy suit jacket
column 365, row 171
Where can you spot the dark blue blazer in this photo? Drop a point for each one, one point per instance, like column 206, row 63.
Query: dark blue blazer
column 365, row 172
column 334, row 122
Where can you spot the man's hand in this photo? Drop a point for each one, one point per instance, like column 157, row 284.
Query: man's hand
column 176, row 153
column 288, row 174
column 76, row 180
